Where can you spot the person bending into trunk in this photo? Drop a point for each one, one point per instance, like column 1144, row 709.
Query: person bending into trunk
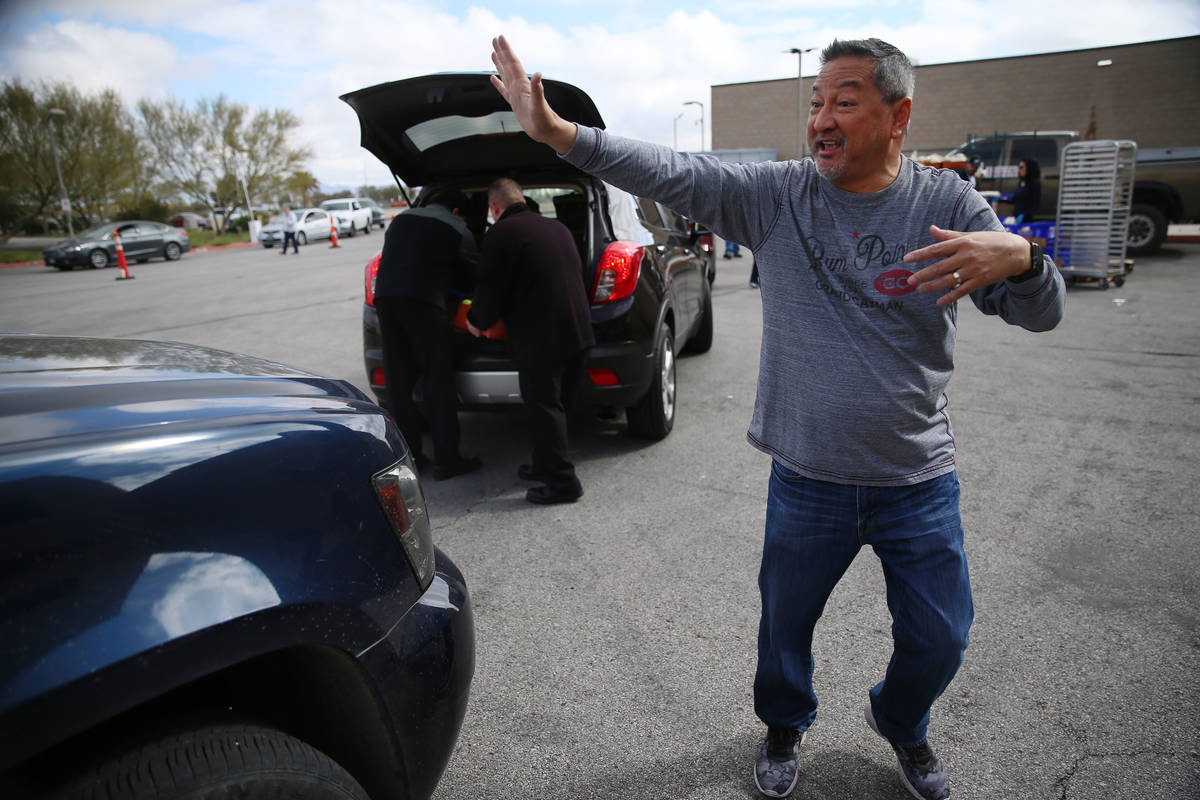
column 530, row 276
column 427, row 252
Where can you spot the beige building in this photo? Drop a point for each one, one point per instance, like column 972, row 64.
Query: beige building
column 1147, row 92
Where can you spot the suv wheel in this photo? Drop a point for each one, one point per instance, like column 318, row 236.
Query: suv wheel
column 654, row 415
column 224, row 761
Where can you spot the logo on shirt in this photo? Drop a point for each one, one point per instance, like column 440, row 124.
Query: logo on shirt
column 894, row 283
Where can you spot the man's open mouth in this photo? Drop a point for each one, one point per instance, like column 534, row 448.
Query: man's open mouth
column 827, row 146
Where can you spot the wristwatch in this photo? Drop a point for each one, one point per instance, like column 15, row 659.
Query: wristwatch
column 1036, row 264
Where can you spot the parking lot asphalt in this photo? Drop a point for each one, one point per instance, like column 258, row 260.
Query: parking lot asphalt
column 616, row 636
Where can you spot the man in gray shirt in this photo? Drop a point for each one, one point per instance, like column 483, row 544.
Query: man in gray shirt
column 857, row 351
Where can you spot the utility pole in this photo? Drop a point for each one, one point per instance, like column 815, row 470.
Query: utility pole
column 64, row 201
column 800, row 126
column 676, row 126
column 698, row 103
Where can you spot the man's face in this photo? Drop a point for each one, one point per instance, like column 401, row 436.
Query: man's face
column 850, row 128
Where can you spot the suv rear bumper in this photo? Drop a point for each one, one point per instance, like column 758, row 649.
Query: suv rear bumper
column 489, row 380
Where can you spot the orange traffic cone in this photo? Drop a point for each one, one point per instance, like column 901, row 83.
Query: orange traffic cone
column 121, row 257
column 333, row 242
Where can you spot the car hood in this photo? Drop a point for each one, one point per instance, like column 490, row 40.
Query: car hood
column 53, row 386
column 75, row 242
column 435, row 127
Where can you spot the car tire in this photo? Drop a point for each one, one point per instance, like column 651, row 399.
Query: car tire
column 702, row 339
column 98, row 258
column 367, row 227
column 654, row 415
column 1147, row 230
column 301, row 238
column 172, row 251
column 217, row 762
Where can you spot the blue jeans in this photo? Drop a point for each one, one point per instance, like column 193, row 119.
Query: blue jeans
column 814, row 530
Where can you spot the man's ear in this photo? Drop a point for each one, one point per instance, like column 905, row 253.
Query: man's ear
column 901, row 114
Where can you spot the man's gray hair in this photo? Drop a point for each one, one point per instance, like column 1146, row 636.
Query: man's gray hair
column 504, row 192
column 893, row 73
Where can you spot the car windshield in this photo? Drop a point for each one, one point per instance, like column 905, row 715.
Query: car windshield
column 433, row 132
column 342, row 206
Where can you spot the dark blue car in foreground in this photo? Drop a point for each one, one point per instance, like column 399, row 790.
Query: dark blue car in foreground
column 217, row 579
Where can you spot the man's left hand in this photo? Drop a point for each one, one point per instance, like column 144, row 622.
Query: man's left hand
column 968, row 261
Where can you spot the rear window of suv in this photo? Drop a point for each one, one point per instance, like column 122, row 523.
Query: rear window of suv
column 433, row 132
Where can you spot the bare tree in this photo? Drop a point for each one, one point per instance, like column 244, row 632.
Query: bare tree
column 204, row 154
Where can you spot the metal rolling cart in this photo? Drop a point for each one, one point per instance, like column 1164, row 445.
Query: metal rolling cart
column 1094, row 193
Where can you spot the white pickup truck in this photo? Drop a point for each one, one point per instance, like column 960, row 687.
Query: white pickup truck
column 350, row 214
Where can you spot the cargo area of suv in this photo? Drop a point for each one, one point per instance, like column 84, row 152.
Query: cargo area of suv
column 644, row 267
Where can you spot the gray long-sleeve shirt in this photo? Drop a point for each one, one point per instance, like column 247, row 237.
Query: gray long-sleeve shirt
column 854, row 362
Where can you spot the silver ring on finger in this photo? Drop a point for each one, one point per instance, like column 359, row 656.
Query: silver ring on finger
column 957, row 279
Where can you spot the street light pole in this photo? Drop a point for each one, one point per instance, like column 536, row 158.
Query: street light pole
column 62, row 187
column 677, row 118
column 698, row 103
column 800, row 97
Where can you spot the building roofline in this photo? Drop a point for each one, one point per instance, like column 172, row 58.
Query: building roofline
column 918, row 67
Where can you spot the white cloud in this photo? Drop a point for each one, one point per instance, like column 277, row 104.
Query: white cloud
column 94, row 57
column 638, row 60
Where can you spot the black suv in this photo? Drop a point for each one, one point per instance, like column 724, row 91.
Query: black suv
column 643, row 265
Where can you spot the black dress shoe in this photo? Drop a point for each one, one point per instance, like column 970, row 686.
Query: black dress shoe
column 526, row 472
column 544, row 495
column 443, row 472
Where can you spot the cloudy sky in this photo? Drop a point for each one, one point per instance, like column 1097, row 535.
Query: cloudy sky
column 640, row 60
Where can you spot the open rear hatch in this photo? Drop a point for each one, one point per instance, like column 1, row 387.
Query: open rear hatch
column 438, row 127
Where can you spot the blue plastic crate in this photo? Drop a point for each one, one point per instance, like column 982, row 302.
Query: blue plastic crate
column 1045, row 232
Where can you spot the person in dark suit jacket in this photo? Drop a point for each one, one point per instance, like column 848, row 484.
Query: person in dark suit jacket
column 531, row 277
column 428, row 253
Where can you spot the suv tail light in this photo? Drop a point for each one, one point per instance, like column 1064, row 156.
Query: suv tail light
column 705, row 242
column 399, row 492
column 369, row 275
column 617, row 274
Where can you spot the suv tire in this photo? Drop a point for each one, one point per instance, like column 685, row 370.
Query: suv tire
column 654, row 415
column 218, row 762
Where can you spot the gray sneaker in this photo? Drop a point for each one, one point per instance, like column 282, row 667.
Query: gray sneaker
column 775, row 771
column 920, row 769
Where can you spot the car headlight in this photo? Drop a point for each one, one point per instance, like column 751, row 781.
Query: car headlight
column 399, row 491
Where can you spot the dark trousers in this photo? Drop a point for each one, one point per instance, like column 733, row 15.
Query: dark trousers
column 290, row 236
column 548, row 393
column 416, row 343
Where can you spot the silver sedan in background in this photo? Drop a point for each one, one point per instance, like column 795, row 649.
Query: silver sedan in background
column 311, row 223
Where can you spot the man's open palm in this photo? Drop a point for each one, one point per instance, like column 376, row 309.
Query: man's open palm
column 528, row 100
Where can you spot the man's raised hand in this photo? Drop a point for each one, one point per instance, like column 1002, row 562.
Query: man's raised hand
column 528, row 99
